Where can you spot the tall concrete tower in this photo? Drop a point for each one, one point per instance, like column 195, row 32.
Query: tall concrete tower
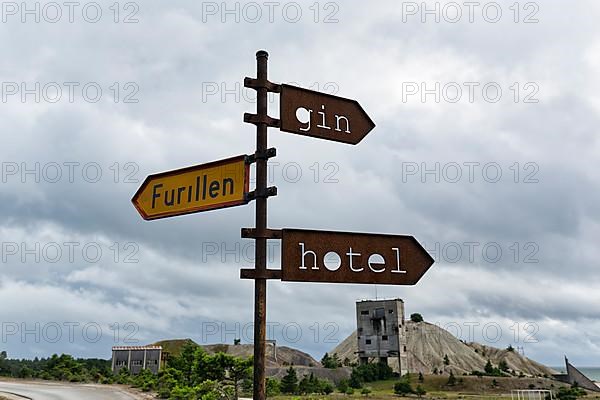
column 381, row 332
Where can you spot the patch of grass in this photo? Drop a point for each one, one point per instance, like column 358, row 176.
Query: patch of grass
column 173, row 347
column 466, row 388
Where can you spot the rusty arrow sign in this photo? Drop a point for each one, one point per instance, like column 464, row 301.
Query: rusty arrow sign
column 341, row 257
column 322, row 115
column 218, row 184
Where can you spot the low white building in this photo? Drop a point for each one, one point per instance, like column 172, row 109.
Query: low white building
column 136, row 358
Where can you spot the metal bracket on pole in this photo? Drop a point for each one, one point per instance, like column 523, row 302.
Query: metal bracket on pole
column 258, row 84
column 257, row 274
column 258, row 194
column 261, row 119
column 270, row 153
column 252, row 233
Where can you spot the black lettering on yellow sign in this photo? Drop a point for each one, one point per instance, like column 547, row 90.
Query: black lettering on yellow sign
column 192, row 193
column 210, row 186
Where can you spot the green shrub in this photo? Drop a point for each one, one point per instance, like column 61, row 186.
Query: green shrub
column 273, row 387
column 403, row 387
column 331, row 362
column 416, row 317
column 571, row 393
column 370, row 373
column 343, row 385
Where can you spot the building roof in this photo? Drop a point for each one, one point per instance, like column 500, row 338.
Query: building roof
column 127, row 348
column 379, row 300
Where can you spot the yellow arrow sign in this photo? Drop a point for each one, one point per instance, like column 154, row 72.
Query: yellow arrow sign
column 218, row 184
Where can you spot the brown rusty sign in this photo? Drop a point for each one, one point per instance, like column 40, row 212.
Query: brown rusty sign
column 341, row 257
column 322, row 115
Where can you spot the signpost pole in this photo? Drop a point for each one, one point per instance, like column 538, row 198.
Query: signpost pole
column 260, row 283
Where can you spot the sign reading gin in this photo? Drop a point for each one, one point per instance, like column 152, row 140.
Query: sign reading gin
column 203, row 187
column 321, row 115
column 342, row 257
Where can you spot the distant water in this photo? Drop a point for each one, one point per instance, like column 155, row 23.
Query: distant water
column 591, row 372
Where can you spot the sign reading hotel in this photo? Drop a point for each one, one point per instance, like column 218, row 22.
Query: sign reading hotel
column 342, row 257
column 218, row 184
column 321, row 115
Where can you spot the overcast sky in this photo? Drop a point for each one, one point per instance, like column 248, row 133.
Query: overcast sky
column 486, row 150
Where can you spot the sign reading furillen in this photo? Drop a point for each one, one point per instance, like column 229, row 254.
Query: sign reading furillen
column 203, row 187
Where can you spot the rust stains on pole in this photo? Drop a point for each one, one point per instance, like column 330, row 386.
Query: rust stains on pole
column 260, row 284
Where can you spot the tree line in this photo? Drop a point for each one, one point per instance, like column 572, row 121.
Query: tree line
column 62, row 368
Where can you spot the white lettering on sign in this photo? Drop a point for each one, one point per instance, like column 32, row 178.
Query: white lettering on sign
column 304, row 253
column 305, row 116
column 350, row 254
column 332, row 261
column 376, row 259
column 398, row 270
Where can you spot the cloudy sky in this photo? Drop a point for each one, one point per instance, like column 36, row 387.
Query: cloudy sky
column 485, row 150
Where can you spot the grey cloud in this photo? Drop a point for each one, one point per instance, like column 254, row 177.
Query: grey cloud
column 172, row 53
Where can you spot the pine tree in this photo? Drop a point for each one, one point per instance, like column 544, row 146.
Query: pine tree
column 309, row 384
column 451, row 380
column 304, row 385
column 330, row 362
column 503, row 366
column 336, row 360
column 489, row 368
column 289, row 383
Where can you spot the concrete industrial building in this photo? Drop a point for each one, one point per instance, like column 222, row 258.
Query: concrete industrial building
column 136, row 358
column 381, row 331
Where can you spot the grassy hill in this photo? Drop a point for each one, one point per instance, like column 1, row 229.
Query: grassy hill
column 173, row 346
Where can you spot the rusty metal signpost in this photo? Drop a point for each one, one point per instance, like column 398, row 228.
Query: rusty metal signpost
column 307, row 256
column 262, row 121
